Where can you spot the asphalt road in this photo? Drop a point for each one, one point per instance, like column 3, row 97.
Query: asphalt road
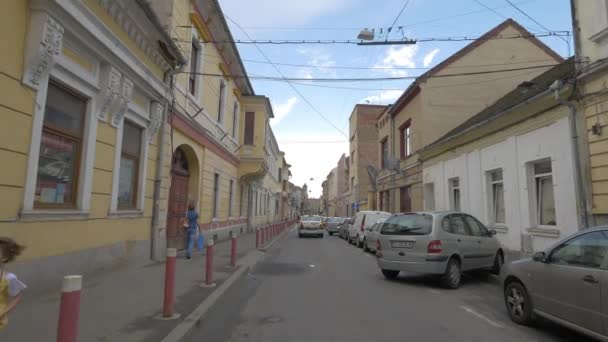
column 327, row 290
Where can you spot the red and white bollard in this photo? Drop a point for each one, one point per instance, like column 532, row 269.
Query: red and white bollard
column 233, row 250
column 69, row 309
column 169, row 294
column 209, row 265
column 257, row 238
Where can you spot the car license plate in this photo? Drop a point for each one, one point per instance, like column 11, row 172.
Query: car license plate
column 402, row 244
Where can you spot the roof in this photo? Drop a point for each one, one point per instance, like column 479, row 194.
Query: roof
column 521, row 93
column 414, row 88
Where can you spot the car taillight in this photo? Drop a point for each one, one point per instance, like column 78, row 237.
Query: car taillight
column 378, row 245
column 301, row 225
column 434, row 247
column 362, row 223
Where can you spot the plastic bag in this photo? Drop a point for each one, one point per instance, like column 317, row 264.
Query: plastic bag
column 200, row 241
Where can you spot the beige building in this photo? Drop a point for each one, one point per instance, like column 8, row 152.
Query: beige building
column 363, row 137
column 590, row 21
column 443, row 98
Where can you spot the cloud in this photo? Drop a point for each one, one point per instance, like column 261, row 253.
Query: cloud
column 385, row 97
column 403, row 56
column 428, row 58
column 281, row 12
column 320, row 57
column 282, row 109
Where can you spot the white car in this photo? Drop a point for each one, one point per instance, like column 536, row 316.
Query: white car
column 371, row 236
column 311, row 225
column 363, row 220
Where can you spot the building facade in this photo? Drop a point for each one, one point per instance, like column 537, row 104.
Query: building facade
column 363, row 137
column 84, row 97
column 443, row 98
column 590, row 24
column 511, row 165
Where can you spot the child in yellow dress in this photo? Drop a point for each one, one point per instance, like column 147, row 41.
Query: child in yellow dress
column 10, row 287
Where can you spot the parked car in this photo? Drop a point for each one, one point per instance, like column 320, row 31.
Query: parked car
column 567, row 284
column 364, row 219
column 333, row 225
column 343, row 230
column 371, row 235
column 441, row 243
column 310, row 225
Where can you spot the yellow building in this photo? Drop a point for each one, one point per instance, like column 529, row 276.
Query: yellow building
column 83, row 95
column 443, row 98
column 590, row 21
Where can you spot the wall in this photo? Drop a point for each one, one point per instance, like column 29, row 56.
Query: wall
column 511, row 150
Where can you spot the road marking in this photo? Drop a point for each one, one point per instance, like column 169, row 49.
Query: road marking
column 481, row 316
column 311, row 265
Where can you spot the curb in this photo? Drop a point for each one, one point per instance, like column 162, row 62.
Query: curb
column 277, row 238
column 189, row 322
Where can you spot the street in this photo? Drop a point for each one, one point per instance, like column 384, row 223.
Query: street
column 327, row 290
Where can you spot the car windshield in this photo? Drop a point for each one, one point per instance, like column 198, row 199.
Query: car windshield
column 335, row 220
column 408, row 224
column 311, row 219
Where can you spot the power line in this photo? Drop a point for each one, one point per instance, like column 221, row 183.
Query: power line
column 288, row 82
column 535, row 21
column 490, row 9
column 355, row 79
column 397, row 18
column 358, row 42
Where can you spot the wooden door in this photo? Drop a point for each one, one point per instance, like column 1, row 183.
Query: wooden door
column 405, row 199
column 178, row 202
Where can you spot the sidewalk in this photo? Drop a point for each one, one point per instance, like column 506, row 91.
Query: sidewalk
column 120, row 305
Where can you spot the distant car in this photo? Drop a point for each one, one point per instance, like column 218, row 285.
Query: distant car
column 567, row 284
column 311, row 225
column 441, row 243
column 343, row 230
column 371, row 235
column 333, row 225
column 364, row 219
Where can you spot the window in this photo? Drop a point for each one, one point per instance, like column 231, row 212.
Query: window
column 454, row 224
column 409, row 224
column 587, row 250
column 216, row 195
column 249, row 128
column 405, row 199
column 352, row 183
column 220, row 106
column 192, row 76
column 543, row 185
column 405, row 140
column 129, row 165
column 352, row 158
column 497, row 211
column 384, row 153
column 235, row 119
column 60, row 148
column 280, row 174
column 454, row 184
column 476, row 228
column 230, row 192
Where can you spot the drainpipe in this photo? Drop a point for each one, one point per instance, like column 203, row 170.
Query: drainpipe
column 156, row 250
column 580, row 189
column 393, row 181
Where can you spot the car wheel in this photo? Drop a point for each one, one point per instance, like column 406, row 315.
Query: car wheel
column 300, row 236
column 518, row 303
column 359, row 243
column 499, row 260
column 365, row 248
column 451, row 278
column 330, row 233
column 390, row 274
column 321, row 236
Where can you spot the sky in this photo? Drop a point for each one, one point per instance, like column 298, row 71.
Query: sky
column 311, row 124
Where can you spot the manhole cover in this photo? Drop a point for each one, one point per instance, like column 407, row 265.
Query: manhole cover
column 271, row 320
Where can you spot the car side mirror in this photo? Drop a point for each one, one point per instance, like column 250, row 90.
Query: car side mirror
column 492, row 232
column 539, row 256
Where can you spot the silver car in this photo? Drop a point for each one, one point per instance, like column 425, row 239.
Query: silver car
column 567, row 284
column 311, row 225
column 333, row 225
column 371, row 236
column 441, row 243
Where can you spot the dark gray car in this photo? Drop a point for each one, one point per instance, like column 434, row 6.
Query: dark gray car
column 333, row 225
column 567, row 284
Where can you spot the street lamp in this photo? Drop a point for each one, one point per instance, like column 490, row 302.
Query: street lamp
column 368, row 36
